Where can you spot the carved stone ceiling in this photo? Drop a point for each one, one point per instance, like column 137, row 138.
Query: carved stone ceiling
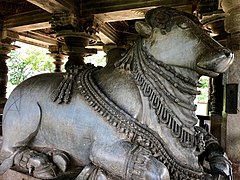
column 9, row 7
column 30, row 18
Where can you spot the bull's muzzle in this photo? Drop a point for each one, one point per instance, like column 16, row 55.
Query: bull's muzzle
column 213, row 65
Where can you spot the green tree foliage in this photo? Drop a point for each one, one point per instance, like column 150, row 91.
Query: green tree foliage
column 203, row 97
column 98, row 59
column 28, row 61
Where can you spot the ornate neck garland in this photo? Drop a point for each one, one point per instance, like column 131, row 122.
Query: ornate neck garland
column 149, row 74
column 134, row 131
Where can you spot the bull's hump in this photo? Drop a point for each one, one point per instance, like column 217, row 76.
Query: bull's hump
column 120, row 88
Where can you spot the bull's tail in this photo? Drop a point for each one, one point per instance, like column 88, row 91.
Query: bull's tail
column 33, row 134
column 8, row 162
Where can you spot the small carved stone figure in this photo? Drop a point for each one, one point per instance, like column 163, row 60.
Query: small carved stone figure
column 133, row 119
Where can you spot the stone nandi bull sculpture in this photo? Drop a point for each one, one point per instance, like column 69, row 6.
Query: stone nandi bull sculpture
column 133, row 119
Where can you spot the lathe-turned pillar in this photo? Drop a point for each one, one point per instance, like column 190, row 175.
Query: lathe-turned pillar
column 6, row 38
column 58, row 56
column 75, row 33
column 215, row 24
column 232, row 81
column 216, row 104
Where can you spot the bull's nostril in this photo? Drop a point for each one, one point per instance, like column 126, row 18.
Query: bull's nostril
column 227, row 52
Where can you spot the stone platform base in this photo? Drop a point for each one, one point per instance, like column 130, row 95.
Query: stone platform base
column 236, row 170
column 14, row 175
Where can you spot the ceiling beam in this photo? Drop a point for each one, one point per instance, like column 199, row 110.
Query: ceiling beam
column 36, row 39
column 39, row 19
column 56, row 6
column 121, row 15
column 104, row 10
column 85, row 8
column 35, row 42
column 107, row 34
column 32, row 20
column 39, row 36
column 104, row 6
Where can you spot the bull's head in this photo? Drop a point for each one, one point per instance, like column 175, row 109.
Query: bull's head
column 177, row 39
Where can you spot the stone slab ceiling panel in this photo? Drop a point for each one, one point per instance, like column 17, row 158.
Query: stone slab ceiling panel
column 9, row 7
column 111, row 15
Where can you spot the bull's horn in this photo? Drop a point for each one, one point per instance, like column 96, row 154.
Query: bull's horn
column 143, row 28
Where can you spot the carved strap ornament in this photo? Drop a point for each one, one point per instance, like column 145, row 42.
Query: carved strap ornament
column 64, row 91
column 134, row 131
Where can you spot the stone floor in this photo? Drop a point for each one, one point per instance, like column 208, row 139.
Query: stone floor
column 13, row 175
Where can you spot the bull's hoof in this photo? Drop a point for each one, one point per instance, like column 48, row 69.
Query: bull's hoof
column 47, row 171
column 60, row 159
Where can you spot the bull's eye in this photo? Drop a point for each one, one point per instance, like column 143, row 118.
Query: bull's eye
column 183, row 25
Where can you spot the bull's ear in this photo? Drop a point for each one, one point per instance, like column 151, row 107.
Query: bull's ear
column 143, row 28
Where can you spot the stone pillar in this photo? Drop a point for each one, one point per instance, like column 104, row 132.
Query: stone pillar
column 75, row 33
column 6, row 38
column 216, row 103
column 58, row 56
column 232, row 80
column 215, row 23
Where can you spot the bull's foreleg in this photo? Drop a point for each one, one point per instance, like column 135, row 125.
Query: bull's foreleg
column 214, row 154
column 219, row 162
column 128, row 161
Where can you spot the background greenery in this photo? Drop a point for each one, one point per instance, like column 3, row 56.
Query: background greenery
column 203, row 97
column 98, row 59
column 28, row 61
